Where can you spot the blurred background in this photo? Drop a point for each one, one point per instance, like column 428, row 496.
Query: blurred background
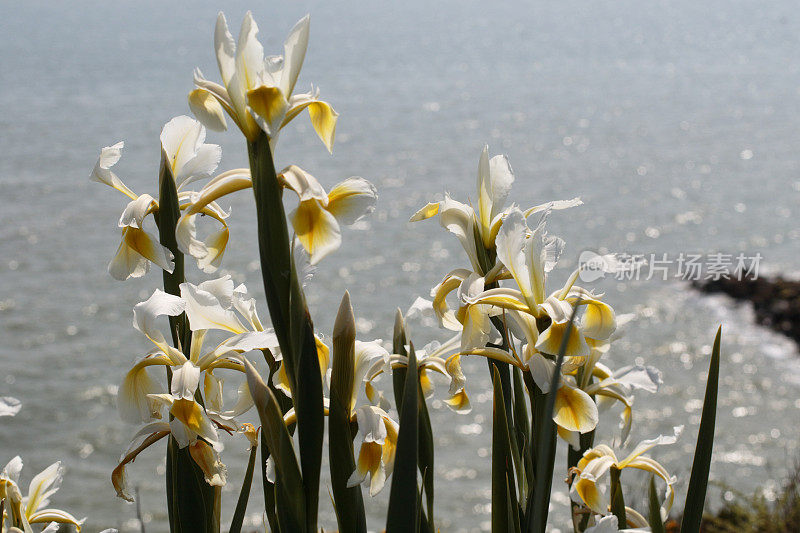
column 674, row 121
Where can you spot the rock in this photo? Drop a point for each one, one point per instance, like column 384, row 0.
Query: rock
column 776, row 301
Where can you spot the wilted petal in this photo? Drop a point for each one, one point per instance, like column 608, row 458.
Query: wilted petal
column 208, row 460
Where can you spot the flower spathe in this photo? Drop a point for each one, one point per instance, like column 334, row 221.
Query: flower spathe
column 257, row 91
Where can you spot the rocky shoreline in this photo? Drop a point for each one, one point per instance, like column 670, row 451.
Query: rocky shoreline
column 776, row 301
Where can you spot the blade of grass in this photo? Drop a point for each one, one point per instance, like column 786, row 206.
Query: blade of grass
column 698, row 482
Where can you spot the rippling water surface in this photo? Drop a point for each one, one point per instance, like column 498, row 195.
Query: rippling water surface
column 676, row 122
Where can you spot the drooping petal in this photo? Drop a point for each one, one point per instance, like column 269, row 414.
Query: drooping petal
column 46, row 516
column 194, row 418
column 317, row 229
column 134, row 213
column 133, row 402
column 352, row 199
column 445, row 315
column 109, row 156
column 148, row 247
column 550, row 340
column 586, row 486
column 185, row 230
column 306, row 186
column 598, row 321
column 366, row 356
column 575, row 410
column 147, row 312
column 205, row 106
column 646, row 445
column 269, row 106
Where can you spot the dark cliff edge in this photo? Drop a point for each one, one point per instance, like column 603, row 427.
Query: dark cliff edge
column 776, row 300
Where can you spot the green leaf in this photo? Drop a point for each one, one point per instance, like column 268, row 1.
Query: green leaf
column 403, row 510
column 289, row 490
column 539, row 501
column 310, row 421
column 522, row 434
column 268, row 487
column 166, row 219
column 426, row 457
column 196, row 504
column 348, row 501
column 273, row 245
column 617, row 498
column 654, row 509
column 504, row 506
column 244, row 493
column 698, row 482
